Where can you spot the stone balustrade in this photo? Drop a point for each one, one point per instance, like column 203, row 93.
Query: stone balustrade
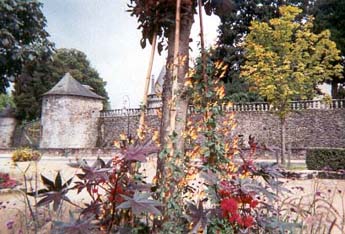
column 241, row 107
column 127, row 112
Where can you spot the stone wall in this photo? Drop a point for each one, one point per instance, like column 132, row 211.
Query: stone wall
column 69, row 122
column 7, row 127
column 305, row 128
column 27, row 135
column 112, row 127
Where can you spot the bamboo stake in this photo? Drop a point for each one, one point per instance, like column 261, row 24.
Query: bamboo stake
column 147, row 81
column 175, row 68
column 202, row 44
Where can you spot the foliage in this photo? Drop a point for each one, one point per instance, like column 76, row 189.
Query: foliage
column 25, row 154
column 119, row 196
column 316, row 208
column 140, row 203
column 329, row 15
column 22, row 37
column 75, row 226
column 161, row 18
column 231, row 190
column 233, row 28
column 236, row 88
column 6, row 101
column 40, row 75
column 285, row 60
column 325, row 159
column 55, row 192
column 6, row 181
column 158, row 16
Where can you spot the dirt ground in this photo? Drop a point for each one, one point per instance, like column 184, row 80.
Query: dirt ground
column 12, row 201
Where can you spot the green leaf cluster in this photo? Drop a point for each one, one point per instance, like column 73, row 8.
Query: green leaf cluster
column 285, row 60
column 6, row 101
column 234, row 26
column 40, row 75
column 325, row 159
column 22, row 37
column 330, row 14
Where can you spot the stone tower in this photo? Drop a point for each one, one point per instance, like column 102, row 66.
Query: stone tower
column 154, row 99
column 70, row 115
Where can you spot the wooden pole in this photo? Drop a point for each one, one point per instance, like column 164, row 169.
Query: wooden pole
column 202, row 44
column 147, row 81
column 175, row 67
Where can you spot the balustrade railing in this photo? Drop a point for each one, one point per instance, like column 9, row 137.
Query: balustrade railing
column 241, row 107
column 127, row 112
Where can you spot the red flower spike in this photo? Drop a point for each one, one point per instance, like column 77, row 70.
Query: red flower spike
column 234, row 218
column 253, row 203
column 247, row 221
column 230, row 205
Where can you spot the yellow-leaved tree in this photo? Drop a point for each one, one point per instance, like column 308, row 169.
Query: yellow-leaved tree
column 286, row 61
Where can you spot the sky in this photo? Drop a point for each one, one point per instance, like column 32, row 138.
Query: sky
column 108, row 35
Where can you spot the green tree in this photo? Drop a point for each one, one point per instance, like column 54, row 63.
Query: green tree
column 330, row 14
column 234, row 25
column 22, row 37
column 285, row 61
column 5, row 101
column 40, row 75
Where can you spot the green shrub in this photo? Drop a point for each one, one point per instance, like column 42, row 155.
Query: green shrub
column 319, row 159
column 25, row 154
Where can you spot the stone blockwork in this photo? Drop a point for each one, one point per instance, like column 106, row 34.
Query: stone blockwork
column 305, row 128
column 69, row 121
column 7, row 127
column 27, row 135
column 112, row 127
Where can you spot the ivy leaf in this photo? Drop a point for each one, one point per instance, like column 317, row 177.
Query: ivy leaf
column 140, row 203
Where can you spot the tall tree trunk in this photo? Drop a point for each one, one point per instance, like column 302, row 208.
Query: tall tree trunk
column 202, row 45
column 175, row 106
column 283, row 140
column 166, row 98
column 165, row 121
column 182, row 100
column 334, row 88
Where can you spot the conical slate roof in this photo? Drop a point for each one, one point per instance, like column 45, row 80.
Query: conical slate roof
column 70, row 87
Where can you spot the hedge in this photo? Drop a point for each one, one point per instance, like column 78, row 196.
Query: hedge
column 320, row 159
